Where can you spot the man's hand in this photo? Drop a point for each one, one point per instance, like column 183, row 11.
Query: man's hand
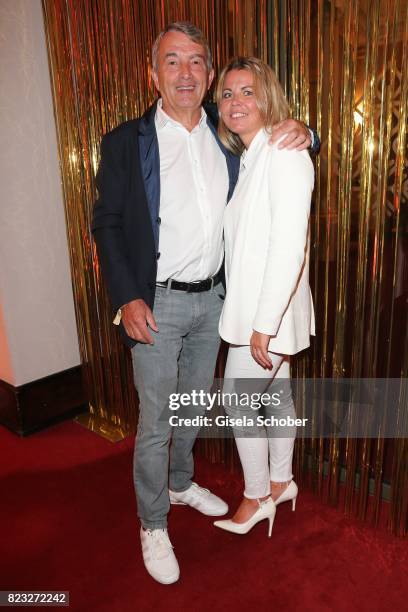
column 136, row 316
column 297, row 135
column 259, row 349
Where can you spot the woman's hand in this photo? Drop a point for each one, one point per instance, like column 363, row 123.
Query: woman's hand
column 259, row 349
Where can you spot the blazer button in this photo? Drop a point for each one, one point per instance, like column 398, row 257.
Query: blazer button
column 158, row 256
column 158, row 220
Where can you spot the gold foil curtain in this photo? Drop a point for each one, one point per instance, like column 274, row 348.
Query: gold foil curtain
column 343, row 65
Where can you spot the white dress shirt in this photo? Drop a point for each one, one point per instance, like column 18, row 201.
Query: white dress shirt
column 266, row 232
column 193, row 195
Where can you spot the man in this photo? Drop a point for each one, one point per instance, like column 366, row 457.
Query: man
column 163, row 184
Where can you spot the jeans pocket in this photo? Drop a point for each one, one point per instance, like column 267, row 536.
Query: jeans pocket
column 219, row 292
column 159, row 295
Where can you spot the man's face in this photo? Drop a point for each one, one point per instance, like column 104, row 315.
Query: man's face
column 182, row 75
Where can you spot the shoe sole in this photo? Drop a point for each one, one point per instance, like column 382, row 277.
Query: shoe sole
column 170, row 580
column 178, row 503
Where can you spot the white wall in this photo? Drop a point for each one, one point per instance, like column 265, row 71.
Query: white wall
column 38, row 333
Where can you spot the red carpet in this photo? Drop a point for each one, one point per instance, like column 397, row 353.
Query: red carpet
column 68, row 522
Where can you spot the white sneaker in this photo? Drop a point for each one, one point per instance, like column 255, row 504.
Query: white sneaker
column 158, row 556
column 201, row 499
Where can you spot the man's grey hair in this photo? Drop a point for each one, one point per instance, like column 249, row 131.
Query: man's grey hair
column 193, row 33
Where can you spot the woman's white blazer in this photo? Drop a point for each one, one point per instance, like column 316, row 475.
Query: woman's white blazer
column 266, row 231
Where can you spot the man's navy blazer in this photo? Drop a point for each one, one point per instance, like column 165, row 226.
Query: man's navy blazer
column 126, row 216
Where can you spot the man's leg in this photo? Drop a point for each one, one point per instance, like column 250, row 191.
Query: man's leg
column 196, row 372
column 155, row 373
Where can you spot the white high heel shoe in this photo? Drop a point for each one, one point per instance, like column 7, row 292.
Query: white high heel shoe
column 290, row 493
column 266, row 510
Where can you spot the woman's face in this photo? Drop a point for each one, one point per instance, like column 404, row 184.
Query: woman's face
column 238, row 106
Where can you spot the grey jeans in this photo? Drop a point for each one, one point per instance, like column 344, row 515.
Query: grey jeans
column 181, row 360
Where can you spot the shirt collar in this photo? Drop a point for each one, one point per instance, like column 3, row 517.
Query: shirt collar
column 162, row 119
column 250, row 154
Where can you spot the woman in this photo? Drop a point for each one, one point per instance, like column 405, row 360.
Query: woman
column 268, row 310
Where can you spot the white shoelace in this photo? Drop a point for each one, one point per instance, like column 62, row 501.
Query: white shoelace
column 160, row 543
column 200, row 490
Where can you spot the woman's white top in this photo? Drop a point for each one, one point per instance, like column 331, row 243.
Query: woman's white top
column 266, row 232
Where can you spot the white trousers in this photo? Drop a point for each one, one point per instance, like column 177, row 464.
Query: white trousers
column 264, row 456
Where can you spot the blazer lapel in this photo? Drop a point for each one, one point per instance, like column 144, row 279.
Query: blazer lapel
column 150, row 165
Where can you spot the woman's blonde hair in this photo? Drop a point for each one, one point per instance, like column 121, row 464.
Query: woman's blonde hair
column 270, row 99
